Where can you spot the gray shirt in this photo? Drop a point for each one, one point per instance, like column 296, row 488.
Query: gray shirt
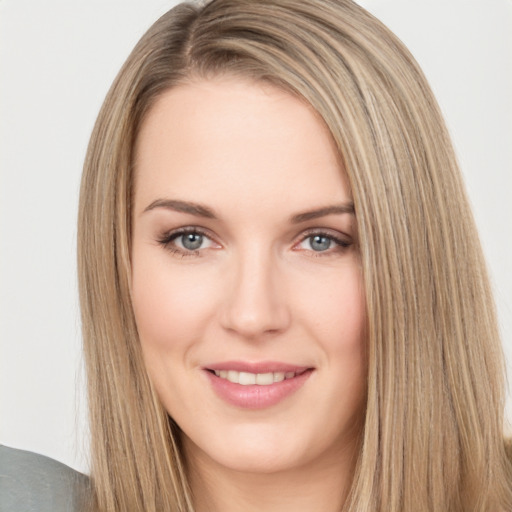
column 33, row 483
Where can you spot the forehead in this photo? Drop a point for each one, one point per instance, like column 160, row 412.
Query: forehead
column 237, row 140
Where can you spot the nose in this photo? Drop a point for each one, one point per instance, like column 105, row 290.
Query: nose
column 255, row 304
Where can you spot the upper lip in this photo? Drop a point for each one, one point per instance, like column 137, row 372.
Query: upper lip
column 256, row 367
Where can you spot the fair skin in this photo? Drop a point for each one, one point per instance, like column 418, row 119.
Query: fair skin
column 255, row 285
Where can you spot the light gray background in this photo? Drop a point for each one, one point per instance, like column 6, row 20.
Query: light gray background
column 57, row 60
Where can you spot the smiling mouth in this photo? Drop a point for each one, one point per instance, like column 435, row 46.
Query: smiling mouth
column 256, row 385
column 251, row 379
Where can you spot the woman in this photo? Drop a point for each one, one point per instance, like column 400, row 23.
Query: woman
column 284, row 300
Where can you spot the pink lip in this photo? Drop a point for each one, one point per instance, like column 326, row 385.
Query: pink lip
column 259, row 367
column 256, row 396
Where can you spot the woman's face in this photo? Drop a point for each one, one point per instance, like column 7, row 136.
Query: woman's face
column 246, row 283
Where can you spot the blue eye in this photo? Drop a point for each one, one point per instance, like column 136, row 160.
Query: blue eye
column 187, row 241
column 191, row 241
column 320, row 242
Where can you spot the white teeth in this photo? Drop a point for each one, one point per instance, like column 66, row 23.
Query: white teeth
column 278, row 376
column 248, row 379
column 264, row 379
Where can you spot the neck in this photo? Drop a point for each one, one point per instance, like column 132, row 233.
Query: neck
column 320, row 486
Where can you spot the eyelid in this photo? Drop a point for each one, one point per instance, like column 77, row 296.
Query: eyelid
column 167, row 239
column 328, row 232
column 185, row 230
column 342, row 240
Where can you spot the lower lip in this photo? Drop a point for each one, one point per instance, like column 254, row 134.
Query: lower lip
column 255, row 396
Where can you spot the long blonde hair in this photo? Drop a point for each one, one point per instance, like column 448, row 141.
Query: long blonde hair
column 433, row 431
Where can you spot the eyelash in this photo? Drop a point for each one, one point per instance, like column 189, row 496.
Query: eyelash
column 167, row 242
column 340, row 243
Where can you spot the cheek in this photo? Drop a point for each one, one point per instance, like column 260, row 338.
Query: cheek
column 351, row 326
column 170, row 308
column 338, row 323
column 344, row 340
column 337, row 310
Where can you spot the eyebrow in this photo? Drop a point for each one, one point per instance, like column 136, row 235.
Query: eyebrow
column 196, row 209
column 347, row 207
column 200, row 210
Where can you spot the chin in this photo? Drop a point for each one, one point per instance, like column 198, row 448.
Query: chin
column 256, row 449
column 254, row 460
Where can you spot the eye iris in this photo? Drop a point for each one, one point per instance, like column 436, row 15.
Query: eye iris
column 320, row 243
column 192, row 241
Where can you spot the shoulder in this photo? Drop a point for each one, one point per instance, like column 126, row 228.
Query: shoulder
column 32, row 482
